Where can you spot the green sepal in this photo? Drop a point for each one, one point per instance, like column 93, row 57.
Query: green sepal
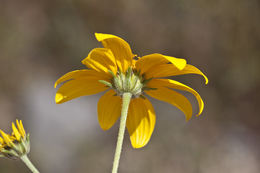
column 117, row 83
column 133, row 81
column 10, row 153
column 106, row 83
column 128, row 72
column 111, row 73
column 128, row 78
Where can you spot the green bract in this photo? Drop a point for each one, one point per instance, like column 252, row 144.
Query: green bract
column 17, row 148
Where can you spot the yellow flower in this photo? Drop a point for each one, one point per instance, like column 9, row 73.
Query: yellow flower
column 115, row 67
column 15, row 145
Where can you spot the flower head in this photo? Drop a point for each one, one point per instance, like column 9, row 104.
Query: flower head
column 15, row 145
column 116, row 69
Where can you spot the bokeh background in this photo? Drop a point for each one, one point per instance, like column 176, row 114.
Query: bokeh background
column 43, row 39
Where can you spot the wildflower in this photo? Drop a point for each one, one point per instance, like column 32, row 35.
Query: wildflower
column 127, row 77
column 116, row 67
column 16, row 145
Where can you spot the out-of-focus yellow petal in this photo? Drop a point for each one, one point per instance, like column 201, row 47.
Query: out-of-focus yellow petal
column 150, row 62
column 119, row 47
column 140, row 121
column 109, row 109
column 81, row 74
column 16, row 132
column 6, row 138
column 79, row 87
column 179, row 86
column 165, row 70
column 20, row 127
column 172, row 97
column 101, row 60
column 12, row 137
column 1, row 140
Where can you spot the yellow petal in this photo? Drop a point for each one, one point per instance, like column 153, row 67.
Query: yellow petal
column 78, row 87
column 1, row 141
column 165, row 70
column 109, row 109
column 179, row 86
column 101, row 60
column 151, row 61
column 119, row 47
column 140, row 121
column 20, row 127
column 172, row 97
column 6, row 138
column 16, row 132
column 81, row 74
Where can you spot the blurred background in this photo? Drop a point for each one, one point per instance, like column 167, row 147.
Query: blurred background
column 43, row 39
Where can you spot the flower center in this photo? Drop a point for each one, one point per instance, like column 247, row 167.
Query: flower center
column 130, row 82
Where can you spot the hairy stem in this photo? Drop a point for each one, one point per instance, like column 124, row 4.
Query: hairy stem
column 121, row 132
column 29, row 164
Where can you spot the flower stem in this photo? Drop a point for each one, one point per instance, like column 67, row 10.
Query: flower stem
column 29, row 164
column 125, row 105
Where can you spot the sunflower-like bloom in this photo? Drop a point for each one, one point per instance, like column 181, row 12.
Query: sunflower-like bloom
column 15, row 145
column 116, row 69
